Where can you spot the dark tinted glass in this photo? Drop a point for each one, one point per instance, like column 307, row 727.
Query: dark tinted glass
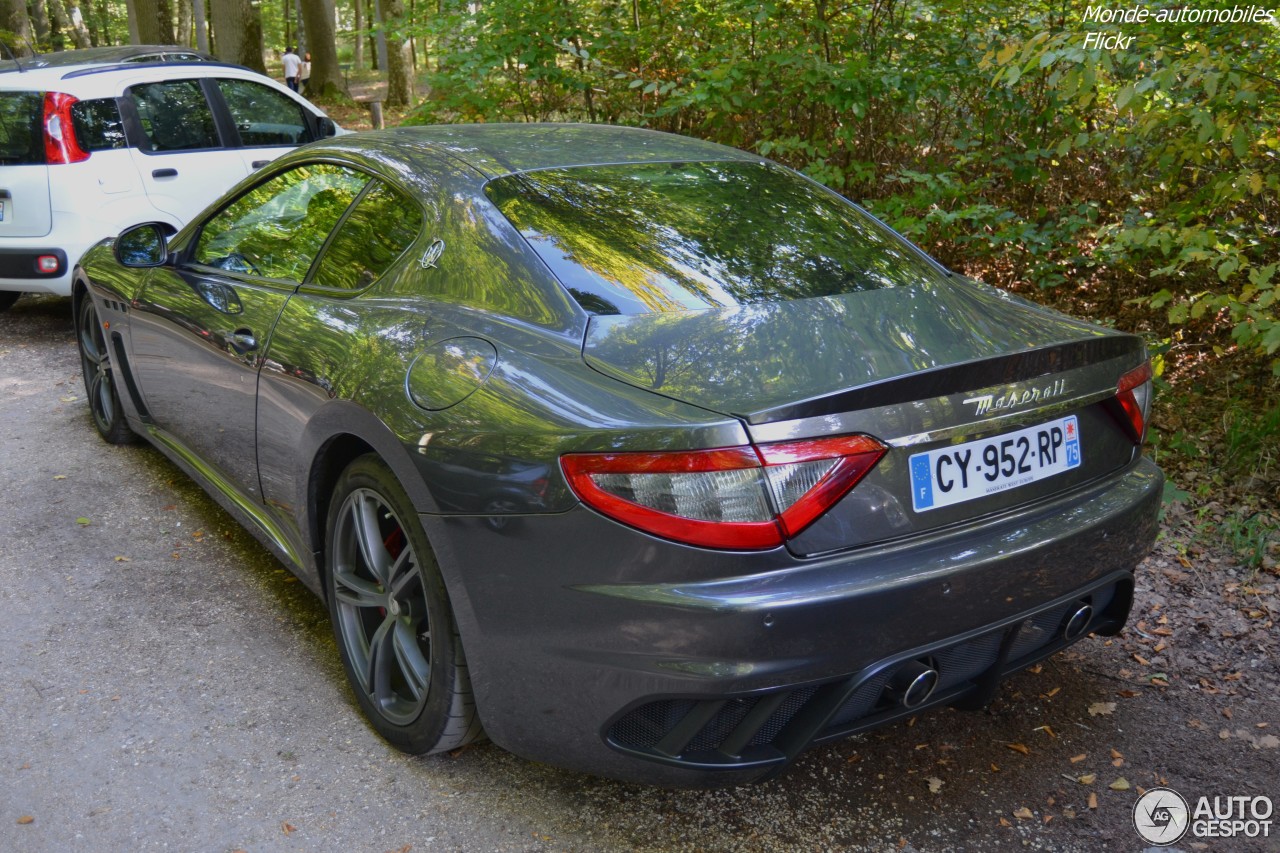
column 21, row 140
column 263, row 115
column 377, row 232
column 98, row 125
column 654, row 238
column 276, row 229
column 175, row 116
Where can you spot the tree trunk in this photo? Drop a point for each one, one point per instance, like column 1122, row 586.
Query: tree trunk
column 150, row 22
column 237, row 26
column 13, row 17
column 326, row 76
column 68, row 21
column 380, row 15
column 78, row 30
column 357, row 51
column 40, row 21
column 184, row 22
column 202, row 27
column 399, row 64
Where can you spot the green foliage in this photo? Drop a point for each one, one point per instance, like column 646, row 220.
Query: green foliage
column 987, row 132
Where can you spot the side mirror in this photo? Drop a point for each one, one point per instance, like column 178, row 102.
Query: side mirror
column 142, row 246
column 326, row 127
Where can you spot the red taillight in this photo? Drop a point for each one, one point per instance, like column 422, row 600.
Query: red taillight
column 48, row 264
column 746, row 498
column 60, row 145
column 1134, row 393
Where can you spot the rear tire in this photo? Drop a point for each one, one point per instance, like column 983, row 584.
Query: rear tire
column 7, row 298
column 99, row 377
column 391, row 615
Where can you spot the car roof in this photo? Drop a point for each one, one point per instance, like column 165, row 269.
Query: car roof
column 106, row 56
column 495, row 150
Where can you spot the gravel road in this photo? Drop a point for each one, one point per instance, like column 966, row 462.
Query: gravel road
column 167, row 685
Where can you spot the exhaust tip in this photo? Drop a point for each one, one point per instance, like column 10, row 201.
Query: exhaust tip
column 1078, row 621
column 914, row 683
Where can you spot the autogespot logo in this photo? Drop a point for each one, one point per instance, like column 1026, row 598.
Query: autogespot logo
column 1161, row 816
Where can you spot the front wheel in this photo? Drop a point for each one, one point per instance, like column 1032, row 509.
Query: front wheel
column 392, row 618
column 99, row 379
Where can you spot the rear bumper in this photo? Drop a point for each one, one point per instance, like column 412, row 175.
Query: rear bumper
column 597, row 648
column 18, row 270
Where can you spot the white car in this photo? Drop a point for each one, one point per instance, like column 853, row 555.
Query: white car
column 94, row 141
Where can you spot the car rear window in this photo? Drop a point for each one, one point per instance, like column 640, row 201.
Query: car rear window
column 21, row 141
column 662, row 237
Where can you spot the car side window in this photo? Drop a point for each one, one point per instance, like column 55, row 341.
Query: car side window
column 377, row 231
column 276, row 229
column 98, row 125
column 175, row 116
column 264, row 116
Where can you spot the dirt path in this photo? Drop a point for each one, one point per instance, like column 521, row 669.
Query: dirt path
column 167, row 686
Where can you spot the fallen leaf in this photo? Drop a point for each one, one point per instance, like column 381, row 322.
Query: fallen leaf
column 123, row 559
column 935, row 784
column 1093, row 801
column 288, row 828
column 1119, row 762
column 1268, row 742
column 1101, row 708
column 1047, row 818
column 1076, row 759
column 1140, row 659
column 69, row 398
column 26, row 819
column 1087, row 779
column 995, row 768
column 59, row 476
column 1115, row 753
column 1226, row 712
column 1121, row 784
column 1224, row 734
column 1126, row 693
column 1019, row 747
column 1023, row 813
column 1005, row 822
column 82, row 521
column 1052, row 693
column 1047, row 730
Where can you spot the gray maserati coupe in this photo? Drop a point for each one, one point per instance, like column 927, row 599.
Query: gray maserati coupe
column 643, row 456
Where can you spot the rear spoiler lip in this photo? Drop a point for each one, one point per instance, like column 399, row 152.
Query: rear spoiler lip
column 958, row 378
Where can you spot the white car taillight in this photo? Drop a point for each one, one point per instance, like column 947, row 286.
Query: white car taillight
column 60, row 144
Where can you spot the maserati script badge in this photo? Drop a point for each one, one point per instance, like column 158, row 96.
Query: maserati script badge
column 1012, row 399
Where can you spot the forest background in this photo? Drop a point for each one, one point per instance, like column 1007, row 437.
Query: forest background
column 1131, row 176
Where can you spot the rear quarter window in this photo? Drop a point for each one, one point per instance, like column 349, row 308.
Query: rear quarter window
column 21, row 141
column 98, row 125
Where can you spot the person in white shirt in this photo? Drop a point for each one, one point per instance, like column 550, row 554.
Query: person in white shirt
column 292, row 68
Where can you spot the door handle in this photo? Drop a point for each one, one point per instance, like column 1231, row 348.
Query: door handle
column 258, row 164
column 242, row 341
column 164, row 173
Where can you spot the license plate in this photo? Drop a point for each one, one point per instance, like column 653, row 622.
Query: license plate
column 975, row 469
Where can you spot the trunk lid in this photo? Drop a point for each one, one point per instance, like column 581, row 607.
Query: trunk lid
column 24, row 177
column 923, row 368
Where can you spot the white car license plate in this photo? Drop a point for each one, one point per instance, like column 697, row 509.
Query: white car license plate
column 975, row 469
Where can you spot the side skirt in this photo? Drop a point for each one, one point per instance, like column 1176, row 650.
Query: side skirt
column 247, row 512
